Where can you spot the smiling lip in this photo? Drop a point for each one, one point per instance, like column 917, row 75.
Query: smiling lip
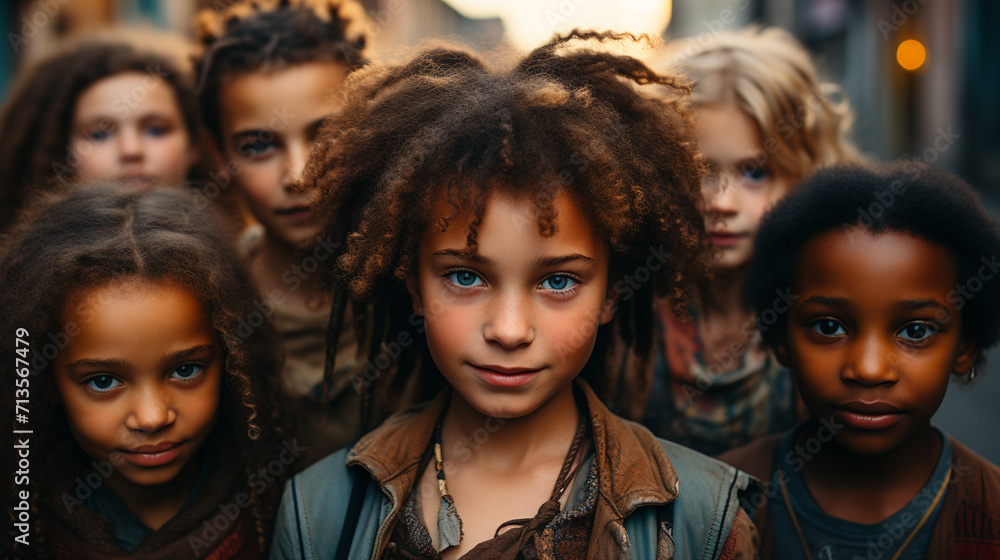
column 298, row 212
column 725, row 238
column 500, row 376
column 868, row 415
column 154, row 455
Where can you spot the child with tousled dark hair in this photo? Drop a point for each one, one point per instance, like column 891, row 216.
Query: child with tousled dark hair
column 483, row 217
column 878, row 261
column 147, row 405
column 267, row 78
column 99, row 108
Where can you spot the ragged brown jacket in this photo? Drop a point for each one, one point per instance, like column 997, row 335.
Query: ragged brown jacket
column 968, row 526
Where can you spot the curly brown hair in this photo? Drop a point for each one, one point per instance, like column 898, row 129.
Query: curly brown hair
column 36, row 119
column 87, row 237
column 265, row 36
column 567, row 116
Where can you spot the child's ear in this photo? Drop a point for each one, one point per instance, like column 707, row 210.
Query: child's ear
column 966, row 358
column 413, row 286
column 781, row 350
column 609, row 307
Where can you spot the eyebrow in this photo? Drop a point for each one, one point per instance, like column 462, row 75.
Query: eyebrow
column 755, row 161
column 915, row 304
column 119, row 363
column 249, row 133
column 185, row 354
column 903, row 305
column 541, row 262
column 828, row 301
column 108, row 363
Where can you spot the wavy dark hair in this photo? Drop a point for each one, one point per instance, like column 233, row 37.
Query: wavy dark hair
column 258, row 36
column 37, row 116
column 567, row 116
column 89, row 236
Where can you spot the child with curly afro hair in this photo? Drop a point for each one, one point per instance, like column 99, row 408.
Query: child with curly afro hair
column 892, row 275
column 502, row 233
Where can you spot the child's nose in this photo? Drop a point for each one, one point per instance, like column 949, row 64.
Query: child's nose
column 295, row 162
column 722, row 195
column 870, row 363
column 129, row 144
column 509, row 323
column 152, row 411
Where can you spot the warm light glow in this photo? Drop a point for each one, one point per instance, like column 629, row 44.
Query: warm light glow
column 911, row 54
column 529, row 23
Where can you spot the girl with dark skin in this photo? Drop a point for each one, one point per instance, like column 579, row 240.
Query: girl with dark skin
column 881, row 323
column 142, row 382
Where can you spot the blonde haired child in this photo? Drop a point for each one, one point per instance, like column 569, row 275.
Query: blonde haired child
column 764, row 122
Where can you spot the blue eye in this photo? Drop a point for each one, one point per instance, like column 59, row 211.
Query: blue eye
column 98, row 135
column 157, row 131
column 829, row 327
column 755, row 174
column 465, row 278
column 103, row 383
column 559, row 282
column 917, row 332
column 255, row 148
column 187, row 372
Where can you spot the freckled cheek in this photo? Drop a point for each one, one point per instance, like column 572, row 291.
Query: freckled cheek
column 572, row 335
column 450, row 331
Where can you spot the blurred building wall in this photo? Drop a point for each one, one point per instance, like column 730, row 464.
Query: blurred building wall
column 947, row 112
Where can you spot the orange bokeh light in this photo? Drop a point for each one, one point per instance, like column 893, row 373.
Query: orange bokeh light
column 911, row 54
